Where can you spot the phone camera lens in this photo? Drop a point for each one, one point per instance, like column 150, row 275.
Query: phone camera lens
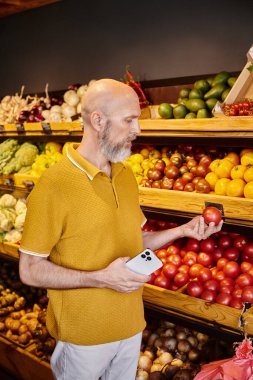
column 147, row 253
column 143, row 256
column 149, row 258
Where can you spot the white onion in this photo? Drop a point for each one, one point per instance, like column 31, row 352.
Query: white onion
column 149, row 354
column 81, row 90
column 55, row 117
column 56, row 109
column 79, row 108
column 71, row 98
column 68, row 111
column 145, row 363
column 141, row 375
column 46, row 114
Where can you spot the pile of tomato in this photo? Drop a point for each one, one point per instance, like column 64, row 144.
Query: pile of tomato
column 218, row 269
column 242, row 108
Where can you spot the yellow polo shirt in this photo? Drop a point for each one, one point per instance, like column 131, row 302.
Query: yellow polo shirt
column 82, row 219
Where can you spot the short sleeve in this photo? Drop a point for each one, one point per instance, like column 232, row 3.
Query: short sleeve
column 44, row 219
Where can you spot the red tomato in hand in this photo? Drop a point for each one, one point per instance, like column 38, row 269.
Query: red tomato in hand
column 212, row 214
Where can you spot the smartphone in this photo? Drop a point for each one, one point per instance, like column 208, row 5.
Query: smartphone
column 145, row 262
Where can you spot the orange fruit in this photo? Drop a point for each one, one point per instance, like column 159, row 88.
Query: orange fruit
column 238, row 171
column 247, row 159
column 214, row 164
column 224, row 168
column 211, row 178
column 248, row 190
column 235, row 188
column 248, row 174
column 233, row 157
column 221, row 185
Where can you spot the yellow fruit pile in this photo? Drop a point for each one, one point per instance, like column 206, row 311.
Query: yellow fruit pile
column 232, row 175
column 50, row 156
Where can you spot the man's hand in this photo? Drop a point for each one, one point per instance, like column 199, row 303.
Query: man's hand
column 198, row 229
column 118, row 277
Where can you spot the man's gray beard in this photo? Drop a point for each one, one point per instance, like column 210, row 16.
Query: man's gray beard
column 114, row 153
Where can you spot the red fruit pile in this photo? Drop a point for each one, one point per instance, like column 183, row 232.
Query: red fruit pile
column 242, row 108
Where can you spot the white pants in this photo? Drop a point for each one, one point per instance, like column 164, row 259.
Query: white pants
column 110, row 361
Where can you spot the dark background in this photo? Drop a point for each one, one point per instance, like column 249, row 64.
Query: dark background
column 77, row 40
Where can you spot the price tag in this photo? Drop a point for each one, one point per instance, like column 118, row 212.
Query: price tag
column 9, row 182
column 219, row 206
column 20, row 128
column 29, row 185
column 46, row 128
column 75, row 117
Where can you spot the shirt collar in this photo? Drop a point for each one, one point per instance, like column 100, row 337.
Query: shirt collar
column 90, row 170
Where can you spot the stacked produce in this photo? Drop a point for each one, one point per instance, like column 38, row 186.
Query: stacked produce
column 12, row 218
column 171, row 352
column 199, row 101
column 242, row 108
column 50, row 155
column 130, row 81
column 23, row 313
column 218, row 269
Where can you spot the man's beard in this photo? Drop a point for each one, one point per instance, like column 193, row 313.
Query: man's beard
column 113, row 152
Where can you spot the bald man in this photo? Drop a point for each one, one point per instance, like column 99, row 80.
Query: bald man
column 83, row 223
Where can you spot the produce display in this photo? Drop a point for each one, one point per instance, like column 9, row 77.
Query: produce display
column 242, row 108
column 199, row 101
column 12, row 218
column 130, row 81
column 194, row 169
column 172, row 352
column 23, row 313
column 218, row 269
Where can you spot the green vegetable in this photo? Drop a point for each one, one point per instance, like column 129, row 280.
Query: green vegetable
column 221, row 78
column 215, row 91
column 24, row 156
column 7, row 151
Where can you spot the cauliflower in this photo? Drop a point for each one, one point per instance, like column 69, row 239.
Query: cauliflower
column 6, row 223
column 24, row 156
column 7, row 151
column 13, row 236
column 19, row 221
column 7, row 200
column 20, row 206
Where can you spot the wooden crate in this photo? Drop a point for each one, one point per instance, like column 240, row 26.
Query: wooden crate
column 10, row 249
column 234, row 208
column 22, row 364
column 211, row 314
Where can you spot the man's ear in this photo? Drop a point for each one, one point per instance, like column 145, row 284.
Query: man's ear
column 97, row 120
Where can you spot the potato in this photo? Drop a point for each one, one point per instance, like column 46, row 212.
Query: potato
column 24, row 338
column 22, row 329
column 19, row 303
column 15, row 315
column 2, row 326
column 8, row 322
column 15, row 325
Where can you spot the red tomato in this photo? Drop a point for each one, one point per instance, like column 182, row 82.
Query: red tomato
column 205, row 259
column 226, row 289
column 207, row 245
column 236, row 303
column 231, row 253
column 183, row 252
column 162, row 224
column 217, row 253
column 237, row 293
column 212, row 285
column 221, row 263
column 227, row 282
column 244, row 279
column 194, row 270
column 192, row 245
column 204, row 275
column 248, row 250
column 223, row 298
column 181, row 279
column 158, row 272
column 173, row 250
column 161, row 253
column 194, row 288
column 190, row 258
column 184, row 269
column 212, row 214
column 247, row 294
column 152, row 279
column 169, row 270
column 220, row 275
column 173, row 287
column 246, row 266
column 162, row 282
column 164, row 260
column 225, row 242
column 231, row 269
column 174, row 259
column 208, row 295
column 240, row 242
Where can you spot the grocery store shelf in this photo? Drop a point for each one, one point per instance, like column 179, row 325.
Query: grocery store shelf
column 234, row 208
column 195, row 309
column 9, row 250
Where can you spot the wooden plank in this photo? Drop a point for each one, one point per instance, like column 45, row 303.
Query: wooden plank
column 236, row 208
column 10, row 249
column 23, row 364
column 232, row 124
column 195, row 308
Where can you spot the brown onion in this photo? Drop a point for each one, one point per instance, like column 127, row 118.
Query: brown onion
column 167, row 324
column 194, row 355
column 152, row 339
column 141, row 375
column 158, row 342
column 170, row 344
column 149, row 353
column 168, row 333
column 145, row 363
column 165, row 358
column 182, row 374
column 146, row 334
column 184, row 346
column 181, row 335
column 193, row 340
column 202, row 338
column 177, row 362
column 156, row 367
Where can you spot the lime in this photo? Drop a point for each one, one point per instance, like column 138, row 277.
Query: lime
column 190, row 115
column 182, row 101
column 165, row 110
column 225, row 94
column 231, row 81
column 179, row 111
column 194, row 105
column 195, row 94
column 184, row 92
column 202, row 85
column 202, row 113
column 211, row 103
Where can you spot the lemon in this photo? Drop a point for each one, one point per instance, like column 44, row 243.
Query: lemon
column 165, row 110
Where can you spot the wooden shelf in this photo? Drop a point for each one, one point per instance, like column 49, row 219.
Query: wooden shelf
column 195, row 309
column 234, row 208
